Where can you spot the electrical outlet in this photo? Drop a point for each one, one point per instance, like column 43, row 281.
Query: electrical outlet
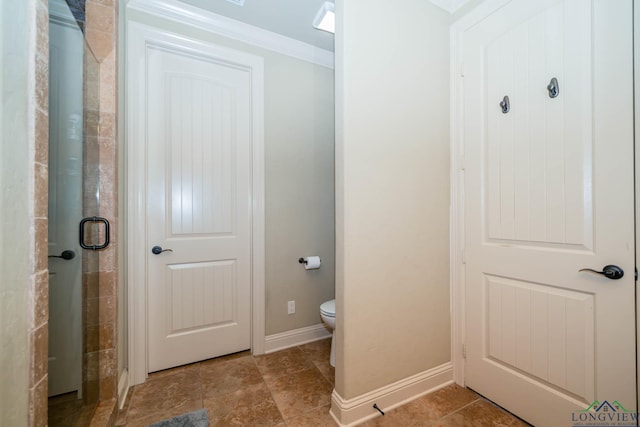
column 291, row 307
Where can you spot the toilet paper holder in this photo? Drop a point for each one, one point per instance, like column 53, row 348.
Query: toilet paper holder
column 310, row 262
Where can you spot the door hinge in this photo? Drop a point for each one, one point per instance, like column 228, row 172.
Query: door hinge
column 464, row 351
column 462, row 69
column 462, row 165
column 464, row 260
column 636, row 276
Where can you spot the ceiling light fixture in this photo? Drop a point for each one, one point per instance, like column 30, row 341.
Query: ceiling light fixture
column 326, row 18
column 238, row 2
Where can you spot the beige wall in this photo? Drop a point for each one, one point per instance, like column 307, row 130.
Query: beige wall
column 23, row 212
column 299, row 194
column 299, row 125
column 392, row 188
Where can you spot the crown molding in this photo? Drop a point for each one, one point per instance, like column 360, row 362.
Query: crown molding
column 449, row 5
column 230, row 28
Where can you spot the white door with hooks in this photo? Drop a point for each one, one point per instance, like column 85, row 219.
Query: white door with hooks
column 548, row 184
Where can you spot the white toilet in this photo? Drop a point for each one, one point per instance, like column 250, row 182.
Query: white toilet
column 328, row 315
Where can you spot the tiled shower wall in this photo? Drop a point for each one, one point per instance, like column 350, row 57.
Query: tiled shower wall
column 101, row 34
column 39, row 280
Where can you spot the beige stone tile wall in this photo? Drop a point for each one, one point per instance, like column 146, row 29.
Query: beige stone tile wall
column 101, row 35
column 90, row 259
column 39, row 183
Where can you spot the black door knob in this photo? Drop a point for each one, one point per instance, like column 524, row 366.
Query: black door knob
column 612, row 272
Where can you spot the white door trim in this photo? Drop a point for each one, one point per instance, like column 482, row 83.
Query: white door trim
column 636, row 89
column 138, row 37
column 456, row 128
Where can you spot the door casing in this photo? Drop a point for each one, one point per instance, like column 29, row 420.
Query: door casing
column 138, row 36
column 636, row 89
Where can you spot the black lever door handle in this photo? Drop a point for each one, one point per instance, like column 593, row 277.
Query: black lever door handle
column 157, row 250
column 66, row 255
column 612, row 272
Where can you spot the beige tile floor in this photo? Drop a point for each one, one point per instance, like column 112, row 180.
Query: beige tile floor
column 288, row 388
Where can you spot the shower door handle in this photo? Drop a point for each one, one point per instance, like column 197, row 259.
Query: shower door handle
column 94, row 219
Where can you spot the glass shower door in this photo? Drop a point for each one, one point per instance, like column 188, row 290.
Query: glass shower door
column 73, row 195
column 65, row 207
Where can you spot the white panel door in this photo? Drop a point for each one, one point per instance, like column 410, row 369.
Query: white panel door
column 198, row 206
column 65, row 206
column 548, row 192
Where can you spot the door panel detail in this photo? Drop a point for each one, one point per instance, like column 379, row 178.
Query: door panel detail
column 202, row 295
column 539, row 174
column 544, row 332
column 201, row 119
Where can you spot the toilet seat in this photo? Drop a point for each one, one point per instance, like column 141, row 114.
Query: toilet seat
column 328, row 308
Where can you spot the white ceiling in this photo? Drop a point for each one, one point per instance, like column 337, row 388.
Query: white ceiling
column 291, row 18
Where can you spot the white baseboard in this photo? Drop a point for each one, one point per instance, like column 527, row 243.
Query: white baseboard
column 123, row 388
column 296, row 337
column 349, row 412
